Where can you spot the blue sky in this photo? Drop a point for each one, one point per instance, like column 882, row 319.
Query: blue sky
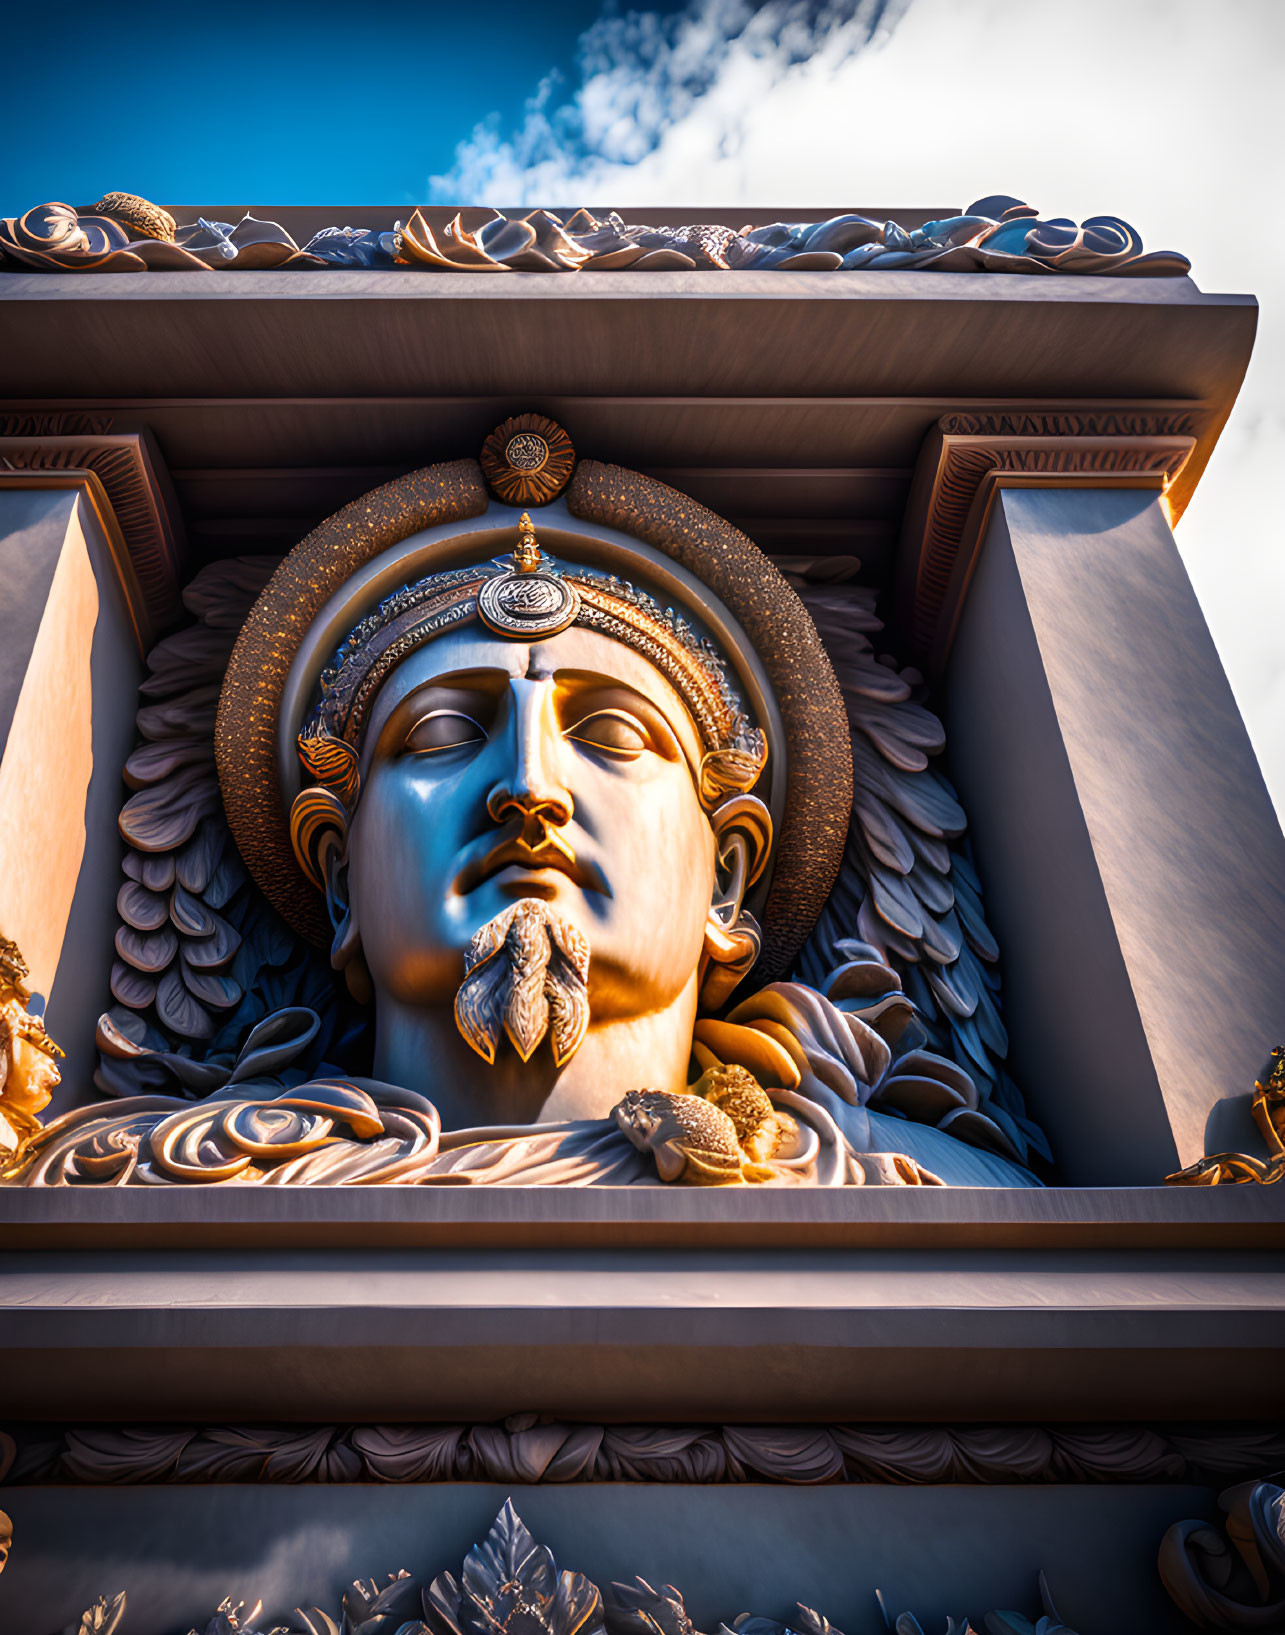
column 1165, row 112
column 237, row 102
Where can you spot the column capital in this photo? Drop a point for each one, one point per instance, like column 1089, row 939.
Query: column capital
column 124, row 476
column 967, row 457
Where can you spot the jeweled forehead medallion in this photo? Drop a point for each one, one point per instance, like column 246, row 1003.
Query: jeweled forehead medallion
column 526, row 601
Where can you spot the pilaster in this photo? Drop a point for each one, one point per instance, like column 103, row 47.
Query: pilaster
column 1134, row 866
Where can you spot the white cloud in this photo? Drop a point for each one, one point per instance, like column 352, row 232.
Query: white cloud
column 1165, row 112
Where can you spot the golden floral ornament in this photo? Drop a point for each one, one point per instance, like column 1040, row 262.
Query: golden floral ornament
column 528, row 460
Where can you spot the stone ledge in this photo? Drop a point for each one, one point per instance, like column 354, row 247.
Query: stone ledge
column 247, row 1217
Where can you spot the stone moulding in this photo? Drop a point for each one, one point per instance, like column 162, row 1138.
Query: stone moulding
column 129, row 474
column 1057, row 1218
column 531, row 1448
column 966, row 458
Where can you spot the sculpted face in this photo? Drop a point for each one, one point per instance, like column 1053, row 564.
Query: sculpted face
column 563, row 770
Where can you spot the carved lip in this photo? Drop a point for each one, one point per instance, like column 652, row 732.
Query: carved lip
column 516, row 854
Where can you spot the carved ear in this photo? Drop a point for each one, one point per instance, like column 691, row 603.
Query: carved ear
column 743, row 835
column 318, row 829
column 345, row 948
column 319, row 835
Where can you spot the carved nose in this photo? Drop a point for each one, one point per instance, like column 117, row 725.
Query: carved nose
column 533, row 788
column 555, row 809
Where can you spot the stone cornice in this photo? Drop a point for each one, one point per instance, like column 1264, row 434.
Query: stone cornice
column 967, row 456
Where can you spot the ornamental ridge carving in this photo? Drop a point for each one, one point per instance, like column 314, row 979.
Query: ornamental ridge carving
column 998, row 234
column 533, row 1448
column 966, row 453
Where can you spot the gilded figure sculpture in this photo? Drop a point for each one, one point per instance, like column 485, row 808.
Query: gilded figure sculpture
column 28, row 1058
column 564, row 801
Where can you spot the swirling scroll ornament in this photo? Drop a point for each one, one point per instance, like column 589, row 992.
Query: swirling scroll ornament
column 1237, row 1582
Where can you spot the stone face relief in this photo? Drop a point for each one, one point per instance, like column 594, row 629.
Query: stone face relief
column 566, row 841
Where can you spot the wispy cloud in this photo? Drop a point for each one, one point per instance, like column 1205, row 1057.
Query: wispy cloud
column 646, row 77
column 1161, row 111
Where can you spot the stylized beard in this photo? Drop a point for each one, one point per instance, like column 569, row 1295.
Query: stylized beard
column 526, row 972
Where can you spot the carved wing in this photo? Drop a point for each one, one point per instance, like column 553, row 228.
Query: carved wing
column 200, row 956
column 908, row 892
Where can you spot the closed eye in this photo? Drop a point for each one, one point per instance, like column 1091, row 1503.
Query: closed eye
column 440, row 730
column 615, row 731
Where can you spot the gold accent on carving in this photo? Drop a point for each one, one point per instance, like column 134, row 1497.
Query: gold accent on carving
column 1235, row 1168
column 722, row 1132
column 527, row 460
column 28, row 1057
column 526, row 553
column 332, row 761
column 318, row 825
column 140, row 216
column 526, row 974
column 528, row 600
column 966, row 457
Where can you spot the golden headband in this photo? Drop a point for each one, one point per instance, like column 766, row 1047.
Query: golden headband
column 529, row 597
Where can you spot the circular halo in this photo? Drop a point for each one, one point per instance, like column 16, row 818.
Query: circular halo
column 527, row 460
column 811, row 836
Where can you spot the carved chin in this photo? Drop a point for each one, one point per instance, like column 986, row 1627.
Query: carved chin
column 526, row 974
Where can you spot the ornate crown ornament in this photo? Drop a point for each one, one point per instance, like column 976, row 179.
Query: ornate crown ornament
column 527, row 601
column 527, row 597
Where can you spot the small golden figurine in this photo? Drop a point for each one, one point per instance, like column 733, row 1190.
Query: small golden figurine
column 721, row 1132
column 1232, row 1168
column 28, row 1058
